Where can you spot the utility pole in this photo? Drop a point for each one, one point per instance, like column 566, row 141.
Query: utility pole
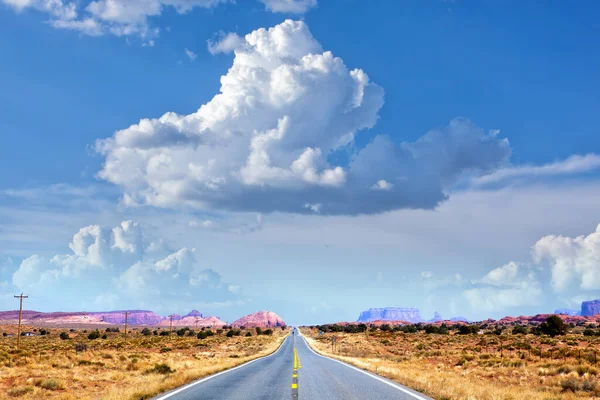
column 171, row 327
column 197, row 323
column 21, row 297
column 126, row 316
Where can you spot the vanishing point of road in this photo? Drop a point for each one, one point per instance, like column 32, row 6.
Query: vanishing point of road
column 294, row 371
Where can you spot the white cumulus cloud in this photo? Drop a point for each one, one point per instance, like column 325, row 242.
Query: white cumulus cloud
column 118, row 264
column 509, row 286
column 572, row 259
column 226, row 43
column 264, row 142
column 116, row 17
column 289, row 6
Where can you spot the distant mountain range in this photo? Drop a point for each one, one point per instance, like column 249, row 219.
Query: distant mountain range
column 411, row 315
column 137, row 317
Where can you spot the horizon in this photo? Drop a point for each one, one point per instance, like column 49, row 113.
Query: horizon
column 300, row 157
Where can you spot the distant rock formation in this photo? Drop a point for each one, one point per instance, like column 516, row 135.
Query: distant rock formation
column 436, row 317
column 567, row 311
column 194, row 313
column 589, row 308
column 192, row 322
column 459, row 319
column 134, row 317
column 391, row 314
column 261, row 318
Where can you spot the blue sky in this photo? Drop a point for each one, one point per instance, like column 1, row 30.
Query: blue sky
column 473, row 139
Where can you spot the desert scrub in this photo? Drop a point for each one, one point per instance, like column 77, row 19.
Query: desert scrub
column 19, row 391
column 163, row 369
column 113, row 369
column 470, row 366
column 51, row 384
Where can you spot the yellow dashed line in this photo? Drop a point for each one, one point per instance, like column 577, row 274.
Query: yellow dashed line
column 294, row 386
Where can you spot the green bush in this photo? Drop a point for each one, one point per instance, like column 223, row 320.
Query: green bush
column 20, row 391
column 553, row 326
column 64, row 335
column 163, row 369
column 51, row 384
column 94, row 335
column 519, row 330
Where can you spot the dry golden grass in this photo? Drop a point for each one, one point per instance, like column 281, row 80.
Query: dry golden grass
column 50, row 368
column 470, row 367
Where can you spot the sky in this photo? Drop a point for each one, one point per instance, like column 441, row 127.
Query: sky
column 311, row 157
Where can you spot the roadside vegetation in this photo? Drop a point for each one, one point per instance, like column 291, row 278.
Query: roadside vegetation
column 545, row 361
column 100, row 363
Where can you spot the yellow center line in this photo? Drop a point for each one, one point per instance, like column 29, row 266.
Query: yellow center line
column 295, row 372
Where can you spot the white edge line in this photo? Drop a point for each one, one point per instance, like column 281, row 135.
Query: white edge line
column 408, row 392
column 189, row 385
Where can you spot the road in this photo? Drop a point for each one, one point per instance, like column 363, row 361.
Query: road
column 272, row 377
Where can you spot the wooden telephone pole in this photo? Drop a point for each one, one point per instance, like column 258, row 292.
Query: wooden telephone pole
column 126, row 316
column 171, row 327
column 21, row 297
column 197, row 323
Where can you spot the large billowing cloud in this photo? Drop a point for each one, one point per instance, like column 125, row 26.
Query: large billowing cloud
column 117, row 266
column 565, row 264
column 267, row 141
column 572, row 260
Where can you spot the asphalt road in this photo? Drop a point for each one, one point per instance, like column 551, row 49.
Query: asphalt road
column 318, row 378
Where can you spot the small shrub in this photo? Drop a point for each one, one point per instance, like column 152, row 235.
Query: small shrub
column 570, row 385
column 79, row 347
column 19, row 391
column 588, row 385
column 64, row 335
column 94, row 335
column 51, row 384
column 163, row 369
column 248, row 334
